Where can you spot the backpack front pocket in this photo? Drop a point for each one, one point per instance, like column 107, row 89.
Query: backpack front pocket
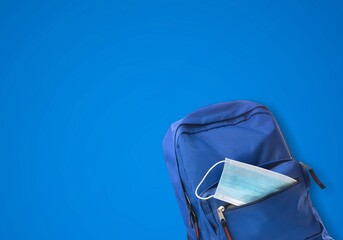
column 284, row 215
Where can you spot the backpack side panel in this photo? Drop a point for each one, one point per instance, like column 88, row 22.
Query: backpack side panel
column 172, row 165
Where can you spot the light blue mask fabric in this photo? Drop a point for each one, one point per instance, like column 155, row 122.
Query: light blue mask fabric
column 242, row 183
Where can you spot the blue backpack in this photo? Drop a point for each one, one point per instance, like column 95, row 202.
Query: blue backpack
column 247, row 132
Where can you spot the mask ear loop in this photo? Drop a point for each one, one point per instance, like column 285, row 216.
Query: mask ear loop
column 196, row 190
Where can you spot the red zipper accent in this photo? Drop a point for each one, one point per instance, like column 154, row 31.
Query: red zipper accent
column 192, row 216
column 226, row 230
column 223, row 222
column 196, row 227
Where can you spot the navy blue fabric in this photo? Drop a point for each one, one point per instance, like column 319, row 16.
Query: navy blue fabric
column 248, row 132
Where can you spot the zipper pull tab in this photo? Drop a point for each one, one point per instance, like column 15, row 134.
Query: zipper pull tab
column 222, row 220
column 220, row 211
column 193, row 220
column 313, row 174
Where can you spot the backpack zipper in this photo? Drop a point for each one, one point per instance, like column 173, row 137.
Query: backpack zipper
column 192, row 216
column 223, row 222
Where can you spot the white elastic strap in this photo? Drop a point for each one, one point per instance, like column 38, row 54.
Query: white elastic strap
column 209, row 170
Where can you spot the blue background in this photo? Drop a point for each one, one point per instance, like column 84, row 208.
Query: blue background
column 89, row 88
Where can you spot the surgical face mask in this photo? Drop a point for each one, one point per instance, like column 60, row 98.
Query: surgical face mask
column 241, row 183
